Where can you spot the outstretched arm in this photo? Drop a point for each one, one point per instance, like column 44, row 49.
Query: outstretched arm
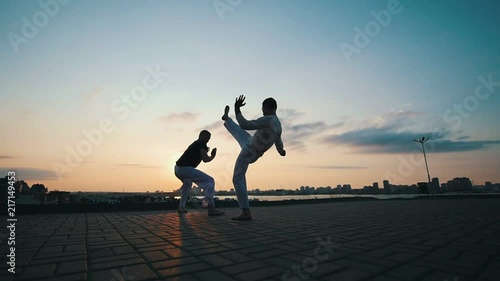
column 260, row 123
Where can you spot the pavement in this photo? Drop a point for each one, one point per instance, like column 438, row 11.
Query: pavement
column 384, row 240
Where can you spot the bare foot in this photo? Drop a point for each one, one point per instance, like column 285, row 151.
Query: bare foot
column 226, row 111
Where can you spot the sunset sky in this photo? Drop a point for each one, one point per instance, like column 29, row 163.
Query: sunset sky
column 106, row 95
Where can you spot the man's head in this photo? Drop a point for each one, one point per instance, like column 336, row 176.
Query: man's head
column 204, row 136
column 269, row 106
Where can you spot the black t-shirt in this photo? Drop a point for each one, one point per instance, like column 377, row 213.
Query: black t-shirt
column 192, row 156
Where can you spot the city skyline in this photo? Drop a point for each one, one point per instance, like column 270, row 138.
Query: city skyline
column 104, row 97
column 385, row 184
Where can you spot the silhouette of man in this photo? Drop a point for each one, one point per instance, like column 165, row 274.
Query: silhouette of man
column 252, row 147
column 185, row 170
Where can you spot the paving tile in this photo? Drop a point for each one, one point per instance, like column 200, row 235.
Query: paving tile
column 242, row 267
column 82, row 276
column 176, row 253
column 386, row 278
column 235, row 256
column 180, row 270
column 45, row 260
column 326, row 268
column 50, row 250
column 211, row 275
column 184, row 277
column 260, row 274
column 408, row 272
column 363, row 266
column 126, row 273
column 348, row 275
column 174, row 262
column 37, row 271
column 68, row 267
column 215, row 260
column 267, row 254
column 386, row 263
column 443, row 276
column 116, row 263
column 99, row 253
column 154, row 256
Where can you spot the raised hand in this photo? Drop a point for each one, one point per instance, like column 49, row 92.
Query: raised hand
column 240, row 101
column 283, row 153
column 214, row 152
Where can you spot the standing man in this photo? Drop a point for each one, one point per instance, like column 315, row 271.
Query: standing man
column 252, row 147
column 185, row 170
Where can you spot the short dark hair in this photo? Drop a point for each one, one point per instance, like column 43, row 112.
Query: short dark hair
column 204, row 133
column 270, row 103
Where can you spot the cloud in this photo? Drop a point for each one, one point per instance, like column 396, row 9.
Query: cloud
column 215, row 126
column 31, row 173
column 306, row 127
column 393, row 140
column 460, row 146
column 179, row 117
column 289, row 114
column 296, row 135
column 396, row 118
column 6, row 157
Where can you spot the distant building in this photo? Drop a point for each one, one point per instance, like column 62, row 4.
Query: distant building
column 435, row 185
column 387, row 186
column 346, row 188
column 423, row 187
column 459, row 184
column 57, row 197
column 375, row 186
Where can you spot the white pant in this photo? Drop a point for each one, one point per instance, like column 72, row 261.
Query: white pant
column 247, row 156
column 188, row 175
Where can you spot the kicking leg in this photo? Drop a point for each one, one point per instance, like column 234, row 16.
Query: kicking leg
column 241, row 136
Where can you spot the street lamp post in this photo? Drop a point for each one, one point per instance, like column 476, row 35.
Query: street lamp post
column 422, row 141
